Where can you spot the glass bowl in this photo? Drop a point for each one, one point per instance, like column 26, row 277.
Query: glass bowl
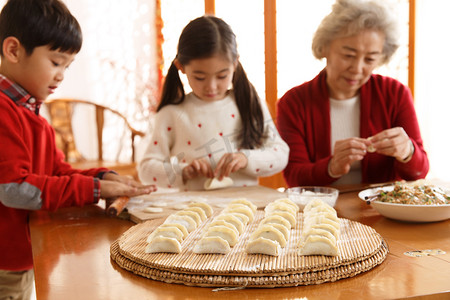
column 301, row 195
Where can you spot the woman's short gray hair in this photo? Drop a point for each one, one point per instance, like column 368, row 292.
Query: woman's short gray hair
column 349, row 17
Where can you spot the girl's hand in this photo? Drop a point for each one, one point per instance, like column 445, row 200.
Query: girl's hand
column 198, row 167
column 230, row 163
column 345, row 153
column 393, row 142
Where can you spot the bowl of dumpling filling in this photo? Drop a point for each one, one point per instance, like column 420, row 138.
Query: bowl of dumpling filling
column 302, row 195
column 417, row 201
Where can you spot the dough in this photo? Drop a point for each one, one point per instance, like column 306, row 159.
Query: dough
column 153, row 210
column 214, row 183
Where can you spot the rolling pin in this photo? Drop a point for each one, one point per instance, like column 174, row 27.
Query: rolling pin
column 117, row 206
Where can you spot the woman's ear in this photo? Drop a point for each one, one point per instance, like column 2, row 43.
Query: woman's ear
column 179, row 66
column 12, row 49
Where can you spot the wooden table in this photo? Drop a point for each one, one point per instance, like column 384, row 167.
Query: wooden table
column 72, row 261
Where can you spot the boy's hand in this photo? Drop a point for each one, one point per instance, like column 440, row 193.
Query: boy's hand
column 114, row 185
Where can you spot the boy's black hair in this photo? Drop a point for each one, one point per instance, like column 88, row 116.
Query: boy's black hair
column 38, row 23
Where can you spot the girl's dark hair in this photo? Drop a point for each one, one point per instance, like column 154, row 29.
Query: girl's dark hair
column 205, row 37
column 40, row 22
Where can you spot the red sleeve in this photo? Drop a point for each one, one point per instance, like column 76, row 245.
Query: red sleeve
column 303, row 123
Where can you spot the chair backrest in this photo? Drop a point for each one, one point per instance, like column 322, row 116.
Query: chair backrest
column 60, row 113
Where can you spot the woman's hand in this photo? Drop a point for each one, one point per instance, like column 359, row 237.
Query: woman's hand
column 393, row 142
column 198, row 167
column 114, row 185
column 230, row 163
column 345, row 153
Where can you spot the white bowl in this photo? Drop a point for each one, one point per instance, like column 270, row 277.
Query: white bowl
column 407, row 212
column 301, row 195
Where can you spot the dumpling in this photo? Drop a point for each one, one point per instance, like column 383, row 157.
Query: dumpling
column 186, row 221
column 318, row 245
column 224, row 232
column 163, row 244
column 288, row 202
column 269, row 232
column 244, row 201
column 262, row 245
column 212, row 244
column 235, row 221
column 240, row 208
column 172, row 232
column 280, row 206
column 286, row 215
column 205, row 206
column 224, row 223
column 177, row 225
column 191, row 214
column 321, row 232
column 277, row 220
column 282, row 229
column 214, row 183
column 201, row 213
column 314, row 203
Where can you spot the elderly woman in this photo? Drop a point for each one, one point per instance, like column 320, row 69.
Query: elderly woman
column 348, row 125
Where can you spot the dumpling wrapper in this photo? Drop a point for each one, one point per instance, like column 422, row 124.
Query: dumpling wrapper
column 321, row 215
column 262, row 245
column 314, row 203
column 177, row 225
column 205, row 206
column 212, row 244
column 277, row 220
column 153, row 210
column 163, row 244
column 186, row 221
column 246, row 202
column 166, row 231
column 224, row 232
column 318, row 245
column 269, row 232
column 242, row 217
column 214, row 183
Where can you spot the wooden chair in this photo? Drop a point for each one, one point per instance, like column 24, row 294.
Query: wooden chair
column 60, row 113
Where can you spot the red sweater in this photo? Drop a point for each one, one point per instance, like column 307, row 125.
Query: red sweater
column 303, row 119
column 33, row 176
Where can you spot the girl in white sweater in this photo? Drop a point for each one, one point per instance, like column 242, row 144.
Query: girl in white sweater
column 220, row 129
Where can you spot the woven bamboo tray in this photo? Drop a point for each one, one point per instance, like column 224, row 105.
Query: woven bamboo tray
column 361, row 248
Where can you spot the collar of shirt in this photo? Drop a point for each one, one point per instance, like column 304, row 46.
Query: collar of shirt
column 17, row 94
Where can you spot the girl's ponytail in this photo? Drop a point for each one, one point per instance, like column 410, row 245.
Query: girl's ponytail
column 248, row 103
column 173, row 91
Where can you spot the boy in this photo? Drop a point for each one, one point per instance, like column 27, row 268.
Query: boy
column 39, row 40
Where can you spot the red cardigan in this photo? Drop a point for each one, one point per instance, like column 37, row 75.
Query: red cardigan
column 33, row 176
column 303, row 119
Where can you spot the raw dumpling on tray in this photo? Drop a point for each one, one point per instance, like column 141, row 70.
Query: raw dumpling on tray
column 320, row 231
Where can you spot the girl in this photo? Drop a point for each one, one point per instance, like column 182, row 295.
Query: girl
column 214, row 131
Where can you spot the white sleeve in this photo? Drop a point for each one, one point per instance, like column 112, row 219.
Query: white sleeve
column 157, row 166
column 272, row 157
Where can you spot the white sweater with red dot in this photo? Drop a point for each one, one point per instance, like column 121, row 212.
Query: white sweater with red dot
column 195, row 129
